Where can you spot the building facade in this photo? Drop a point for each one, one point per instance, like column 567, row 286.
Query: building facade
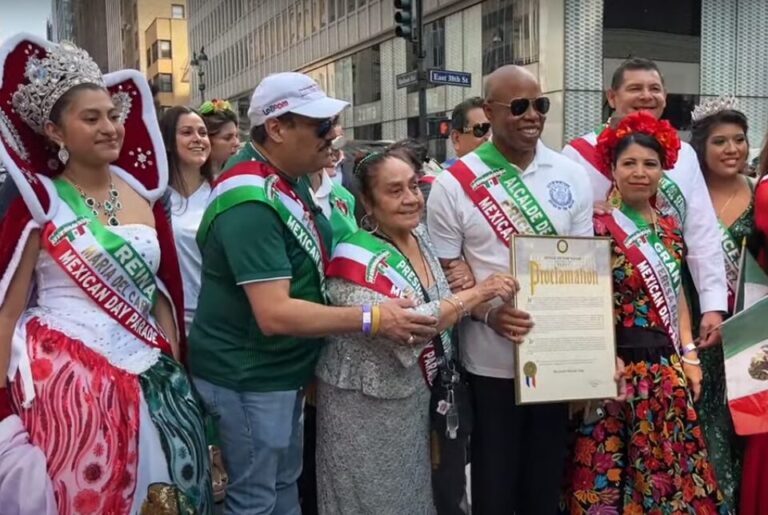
column 137, row 16
column 90, row 30
column 62, row 20
column 167, row 58
column 704, row 48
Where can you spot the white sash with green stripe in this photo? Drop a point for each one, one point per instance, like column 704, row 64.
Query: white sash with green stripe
column 670, row 199
column 106, row 267
column 497, row 188
column 731, row 256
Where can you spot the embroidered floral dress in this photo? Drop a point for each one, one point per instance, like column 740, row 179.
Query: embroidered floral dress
column 646, row 455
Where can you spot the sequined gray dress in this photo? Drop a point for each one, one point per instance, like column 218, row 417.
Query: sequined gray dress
column 373, row 452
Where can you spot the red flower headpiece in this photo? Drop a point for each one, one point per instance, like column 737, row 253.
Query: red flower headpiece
column 643, row 122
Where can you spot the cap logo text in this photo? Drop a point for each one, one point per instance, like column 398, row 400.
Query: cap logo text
column 274, row 107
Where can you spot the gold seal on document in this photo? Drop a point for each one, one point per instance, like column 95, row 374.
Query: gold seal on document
column 529, row 369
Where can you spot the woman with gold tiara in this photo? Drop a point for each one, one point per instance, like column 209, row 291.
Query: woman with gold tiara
column 90, row 291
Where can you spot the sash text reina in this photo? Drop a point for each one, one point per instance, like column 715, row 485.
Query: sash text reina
column 557, row 276
column 116, row 285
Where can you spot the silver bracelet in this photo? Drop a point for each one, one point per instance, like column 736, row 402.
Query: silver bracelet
column 689, row 347
column 695, row 362
column 487, row 315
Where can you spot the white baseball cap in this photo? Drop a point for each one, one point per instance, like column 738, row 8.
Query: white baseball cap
column 291, row 92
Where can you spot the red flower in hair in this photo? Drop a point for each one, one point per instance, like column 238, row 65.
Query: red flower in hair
column 642, row 122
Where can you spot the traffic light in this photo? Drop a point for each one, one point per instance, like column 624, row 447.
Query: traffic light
column 406, row 19
column 438, row 128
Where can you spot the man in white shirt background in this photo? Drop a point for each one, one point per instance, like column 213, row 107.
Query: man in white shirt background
column 517, row 451
column 637, row 84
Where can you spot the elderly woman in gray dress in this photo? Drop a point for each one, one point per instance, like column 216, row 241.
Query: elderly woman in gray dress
column 373, row 433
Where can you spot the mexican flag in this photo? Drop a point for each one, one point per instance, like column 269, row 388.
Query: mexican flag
column 745, row 346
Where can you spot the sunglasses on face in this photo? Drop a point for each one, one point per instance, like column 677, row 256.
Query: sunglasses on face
column 478, row 130
column 325, row 126
column 520, row 106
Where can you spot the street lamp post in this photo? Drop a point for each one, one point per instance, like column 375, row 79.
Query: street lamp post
column 197, row 62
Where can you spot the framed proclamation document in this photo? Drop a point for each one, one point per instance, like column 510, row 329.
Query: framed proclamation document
column 566, row 285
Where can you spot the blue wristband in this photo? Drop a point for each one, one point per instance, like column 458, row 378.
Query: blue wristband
column 367, row 319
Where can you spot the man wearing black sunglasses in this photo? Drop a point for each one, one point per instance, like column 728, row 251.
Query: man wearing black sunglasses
column 517, row 451
column 261, row 318
column 469, row 128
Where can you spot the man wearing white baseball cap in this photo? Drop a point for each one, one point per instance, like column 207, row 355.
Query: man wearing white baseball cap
column 261, row 318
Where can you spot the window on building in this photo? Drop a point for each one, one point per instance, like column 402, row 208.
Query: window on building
column 370, row 132
column 149, row 57
column 637, row 30
column 322, row 12
column 164, row 82
column 299, row 22
column 680, row 16
column 366, row 75
column 279, row 28
column 510, row 33
column 154, row 52
column 177, row 11
column 332, row 11
column 309, row 21
column 434, row 47
column 164, row 49
column 292, row 24
column 351, row 6
column 340, row 8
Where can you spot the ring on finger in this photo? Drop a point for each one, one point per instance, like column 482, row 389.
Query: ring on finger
column 410, row 340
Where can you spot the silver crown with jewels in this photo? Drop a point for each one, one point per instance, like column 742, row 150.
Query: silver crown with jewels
column 49, row 77
column 714, row 106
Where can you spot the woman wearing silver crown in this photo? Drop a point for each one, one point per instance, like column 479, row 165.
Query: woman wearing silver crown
column 719, row 137
column 90, row 291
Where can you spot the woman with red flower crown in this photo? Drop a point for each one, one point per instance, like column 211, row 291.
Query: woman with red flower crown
column 90, row 293
column 645, row 455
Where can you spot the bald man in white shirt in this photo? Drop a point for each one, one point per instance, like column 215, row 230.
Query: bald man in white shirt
column 637, row 85
column 518, row 452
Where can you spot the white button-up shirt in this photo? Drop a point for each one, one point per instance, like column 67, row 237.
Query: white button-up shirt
column 700, row 229
column 458, row 228
column 322, row 196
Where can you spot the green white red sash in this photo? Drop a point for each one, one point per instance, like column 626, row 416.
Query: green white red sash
column 106, row 267
column 658, row 268
column 731, row 256
column 496, row 187
column 373, row 263
column 342, row 217
column 254, row 181
column 669, row 199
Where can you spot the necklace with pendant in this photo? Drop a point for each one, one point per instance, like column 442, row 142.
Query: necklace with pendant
column 109, row 207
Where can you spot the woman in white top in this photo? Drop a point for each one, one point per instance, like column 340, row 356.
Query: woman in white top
column 189, row 173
